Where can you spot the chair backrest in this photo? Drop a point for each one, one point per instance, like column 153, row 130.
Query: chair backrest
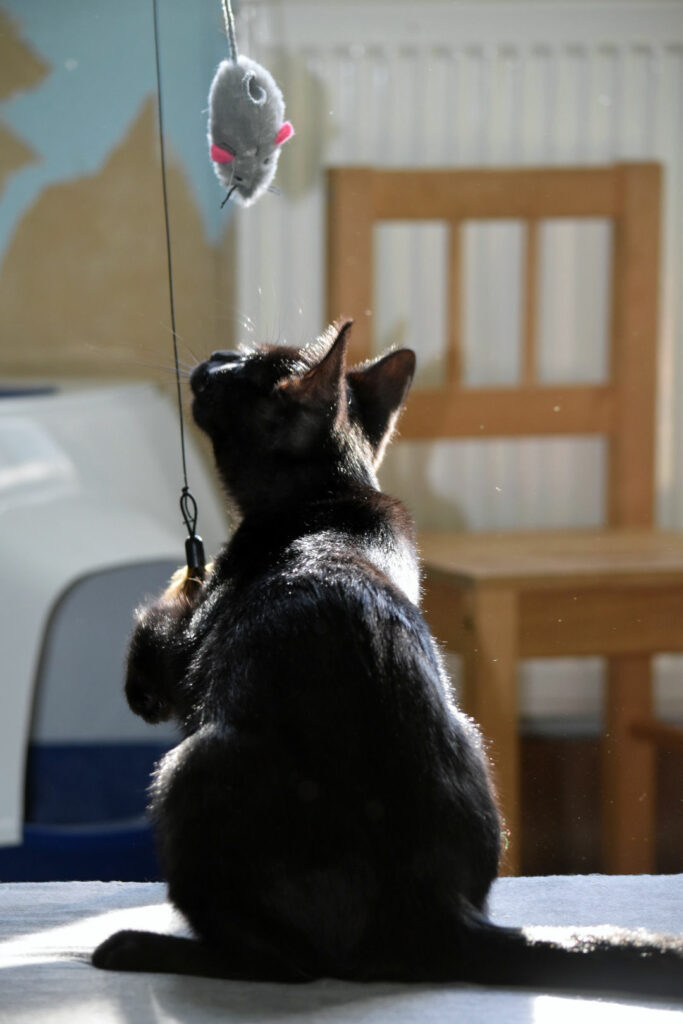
column 622, row 408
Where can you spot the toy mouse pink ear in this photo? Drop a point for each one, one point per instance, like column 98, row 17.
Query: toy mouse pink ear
column 285, row 133
column 220, row 156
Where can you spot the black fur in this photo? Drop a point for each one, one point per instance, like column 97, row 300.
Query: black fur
column 330, row 811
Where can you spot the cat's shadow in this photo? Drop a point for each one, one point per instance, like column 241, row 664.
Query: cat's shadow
column 337, row 1002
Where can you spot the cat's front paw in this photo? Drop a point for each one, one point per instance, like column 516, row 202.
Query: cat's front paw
column 122, row 951
column 144, row 700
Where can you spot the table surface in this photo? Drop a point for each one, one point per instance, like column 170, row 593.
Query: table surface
column 48, row 930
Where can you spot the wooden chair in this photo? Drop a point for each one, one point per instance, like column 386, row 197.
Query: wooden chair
column 616, row 591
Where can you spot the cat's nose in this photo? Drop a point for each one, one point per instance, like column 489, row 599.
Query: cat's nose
column 199, row 378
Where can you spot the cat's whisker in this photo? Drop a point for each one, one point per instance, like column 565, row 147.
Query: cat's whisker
column 236, row 318
column 245, row 322
column 150, row 364
column 192, row 353
column 154, row 363
column 184, row 342
column 169, row 330
column 186, row 367
column 188, row 364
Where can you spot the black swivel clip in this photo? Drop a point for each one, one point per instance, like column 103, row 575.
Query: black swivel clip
column 194, row 548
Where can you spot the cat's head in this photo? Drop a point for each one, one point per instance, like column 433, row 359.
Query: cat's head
column 292, row 421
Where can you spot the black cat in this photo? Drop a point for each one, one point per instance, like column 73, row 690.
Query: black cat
column 329, row 813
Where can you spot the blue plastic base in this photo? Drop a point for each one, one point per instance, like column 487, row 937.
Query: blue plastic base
column 85, row 783
column 85, row 815
column 121, row 851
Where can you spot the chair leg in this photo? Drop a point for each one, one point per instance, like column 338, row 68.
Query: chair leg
column 490, row 697
column 628, row 769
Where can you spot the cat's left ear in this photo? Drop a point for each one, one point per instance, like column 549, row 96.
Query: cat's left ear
column 380, row 389
column 324, row 383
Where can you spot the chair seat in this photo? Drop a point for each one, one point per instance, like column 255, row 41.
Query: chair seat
column 556, row 558
column 617, row 593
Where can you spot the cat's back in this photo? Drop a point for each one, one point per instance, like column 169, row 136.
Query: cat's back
column 319, row 623
column 331, row 572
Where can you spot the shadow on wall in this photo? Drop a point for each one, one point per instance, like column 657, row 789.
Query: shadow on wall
column 308, row 102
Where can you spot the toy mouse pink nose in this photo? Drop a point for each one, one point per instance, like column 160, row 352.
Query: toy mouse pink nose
column 220, row 156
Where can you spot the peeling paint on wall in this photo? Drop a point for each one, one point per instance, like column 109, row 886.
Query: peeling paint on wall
column 20, row 69
column 83, row 279
column 99, row 62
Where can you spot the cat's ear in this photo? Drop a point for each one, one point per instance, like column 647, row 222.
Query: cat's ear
column 380, row 388
column 324, row 383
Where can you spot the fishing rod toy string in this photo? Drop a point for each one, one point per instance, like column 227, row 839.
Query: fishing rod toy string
column 188, row 505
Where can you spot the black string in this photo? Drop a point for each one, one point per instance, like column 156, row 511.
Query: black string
column 230, row 28
column 188, row 505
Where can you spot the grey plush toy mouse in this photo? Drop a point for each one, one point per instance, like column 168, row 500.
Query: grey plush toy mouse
column 246, row 123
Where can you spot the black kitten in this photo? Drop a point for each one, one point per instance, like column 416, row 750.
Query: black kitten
column 330, row 812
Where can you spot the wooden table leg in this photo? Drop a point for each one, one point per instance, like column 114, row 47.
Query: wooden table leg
column 628, row 769
column 490, row 696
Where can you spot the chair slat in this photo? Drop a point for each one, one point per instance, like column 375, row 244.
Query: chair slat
column 518, row 193
column 634, row 344
column 454, row 305
column 350, row 253
column 525, row 411
column 530, row 303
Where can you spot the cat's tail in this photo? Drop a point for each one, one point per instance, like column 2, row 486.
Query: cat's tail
column 605, row 959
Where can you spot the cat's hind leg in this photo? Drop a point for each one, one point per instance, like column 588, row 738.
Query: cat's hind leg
column 170, row 954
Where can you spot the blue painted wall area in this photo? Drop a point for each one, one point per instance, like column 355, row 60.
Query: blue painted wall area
column 101, row 60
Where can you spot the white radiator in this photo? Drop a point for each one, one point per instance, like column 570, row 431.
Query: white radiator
column 476, row 84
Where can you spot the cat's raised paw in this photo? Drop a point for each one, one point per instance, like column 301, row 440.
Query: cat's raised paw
column 144, row 701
